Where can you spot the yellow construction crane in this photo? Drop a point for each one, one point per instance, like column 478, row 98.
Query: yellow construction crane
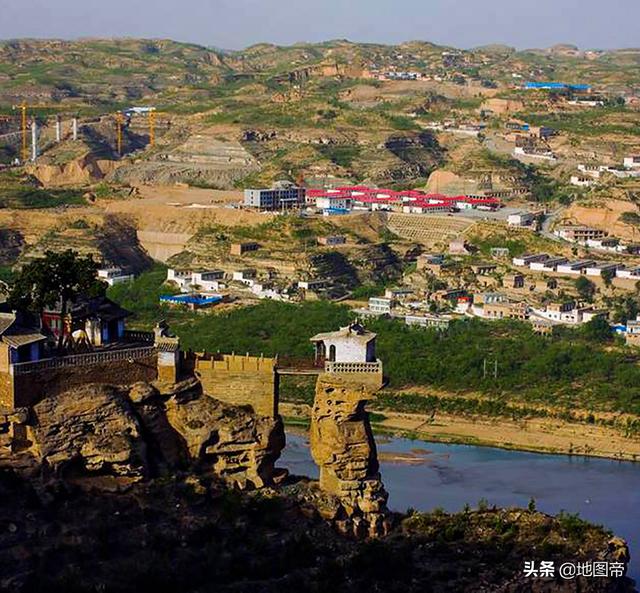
column 24, row 127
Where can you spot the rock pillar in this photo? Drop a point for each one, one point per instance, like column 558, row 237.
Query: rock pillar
column 342, row 445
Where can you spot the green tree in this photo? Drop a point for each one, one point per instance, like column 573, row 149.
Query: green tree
column 56, row 278
column 608, row 276
column 597, row 330
column 586, row 289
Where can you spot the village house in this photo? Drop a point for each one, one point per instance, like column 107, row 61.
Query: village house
column 398, row 294
column 545, row 284
column 450, row 295
column 242, row 248
column 113, row 276
column 247, row 276
column 20, row 340
column 381, row 306
column 98, row 321
column 582, row 181
column 522, row 219
column 513, row 280
column 575, row 268
column 632, row 335
column 434, row 264
column 210, row 281
column 438, row 322
column 505, row 310
column 548, row 265
column 460, row 247
column 628, row 273
column 579, row 234
column 332, row 240
column 631, row 162
column 567, row 312
column 181, row 278
column 605, row 243
column 316, row 284
column 524, row 261
column 352, row 343
column 601, row 269
column 483, row 269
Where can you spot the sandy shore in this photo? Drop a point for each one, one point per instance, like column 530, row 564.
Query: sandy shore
column 540, row 435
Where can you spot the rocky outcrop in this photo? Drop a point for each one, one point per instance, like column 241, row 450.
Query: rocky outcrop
column 342, row 445
column 230, row 441
column 141, row 432
column 91, row 429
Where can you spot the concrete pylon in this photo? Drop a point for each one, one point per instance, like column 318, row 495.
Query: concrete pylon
column 74, row 128
column 34, row 140
column 58, row 129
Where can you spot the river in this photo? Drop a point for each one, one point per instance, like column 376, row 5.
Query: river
column 602, row 491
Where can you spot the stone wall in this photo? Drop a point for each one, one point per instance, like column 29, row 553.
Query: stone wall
column 31, row 387
column 239, row 380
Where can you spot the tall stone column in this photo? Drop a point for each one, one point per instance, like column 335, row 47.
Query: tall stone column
column 342, row 445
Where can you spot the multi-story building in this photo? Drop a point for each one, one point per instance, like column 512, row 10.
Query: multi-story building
column 380, row 306
column 579, row 234
column 279, row 197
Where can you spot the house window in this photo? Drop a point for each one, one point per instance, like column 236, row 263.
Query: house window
column 332, row 353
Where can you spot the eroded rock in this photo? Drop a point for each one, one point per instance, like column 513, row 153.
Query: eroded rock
column 342, row 445
column 93, row 428
column 234, row 443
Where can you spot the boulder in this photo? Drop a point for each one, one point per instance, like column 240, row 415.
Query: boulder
column 90, row 429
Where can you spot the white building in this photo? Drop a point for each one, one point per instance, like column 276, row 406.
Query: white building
column 604, row 243
column 352, row 343
column 628, row 273
column 210, row 281
column 380, row 306
column 601, row 268
column 180, row 277
column 582, row 181
column 574, row 267
column 114, row 276
column 439, row 322
column 398, row 293
column 247, row 276
column 521, row 219
column 312, row 284
column 632, row 162
column 548, row 265
column 526, row 260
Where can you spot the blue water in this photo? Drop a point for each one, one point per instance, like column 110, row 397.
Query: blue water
column 600, row 490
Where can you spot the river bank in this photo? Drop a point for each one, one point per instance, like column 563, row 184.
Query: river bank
column 538, row 435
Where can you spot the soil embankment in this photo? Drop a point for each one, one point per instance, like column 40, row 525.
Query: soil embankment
column 540, row 435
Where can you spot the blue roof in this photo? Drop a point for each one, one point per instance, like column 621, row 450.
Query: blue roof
column 556, row 85
column 190, row 299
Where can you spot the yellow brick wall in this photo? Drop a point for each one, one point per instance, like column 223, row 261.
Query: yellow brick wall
column 241, row 381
